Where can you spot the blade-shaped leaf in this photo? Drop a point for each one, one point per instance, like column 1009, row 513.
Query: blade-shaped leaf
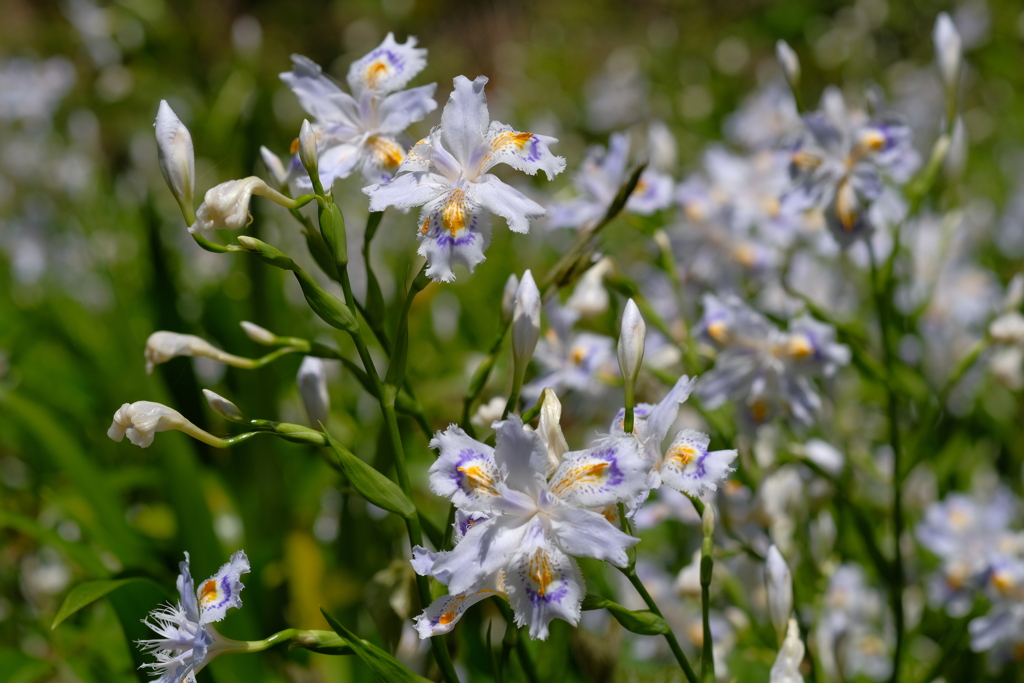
column 385, row 668
column 85, row 594
column 371, row 484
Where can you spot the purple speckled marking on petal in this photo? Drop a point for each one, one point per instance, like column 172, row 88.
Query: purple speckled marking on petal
column 615, row 475
column 699, row 471
column 393, row 58
column 459, row 476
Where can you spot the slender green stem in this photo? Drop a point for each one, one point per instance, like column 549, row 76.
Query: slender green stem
column 514, row 640
column 437, row 644
column 320, row 641
column 673, row 644
column 880, row 288
column 707, row 563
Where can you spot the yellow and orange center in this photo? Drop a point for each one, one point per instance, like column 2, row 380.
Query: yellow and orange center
column 510, row 138
column 448, row 616
column 375, row 71
column 584, row 473
column 454, row 215
column 578, row 355
column 759, row 410
column 682, row 454
column 540, row 572
column 805, row 160
column 386, row 152
column 799, row 347
column 478, row 479
column 209, row 592
column 719, row 331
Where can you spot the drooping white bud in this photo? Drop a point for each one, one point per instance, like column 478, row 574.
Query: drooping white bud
column 508, row 299
column 275, row 167
column 786, row 668
column 550, row 430
column 223, row 407
column 1007, row 328
column 227, row 205
column 632, row 335
column 590, row 298
column 789, row 62
column 140, row 421
column 525, row 324
column 779, row 585
column 177, row 159
column 258, row 334
column 162, row 346
column 307, row 149
column 1014, row 295
column 312, row 381
column 948, row 51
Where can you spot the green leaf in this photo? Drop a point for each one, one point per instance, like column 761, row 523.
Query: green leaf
column 385, row 668
column 371, row 484
column 84, row 594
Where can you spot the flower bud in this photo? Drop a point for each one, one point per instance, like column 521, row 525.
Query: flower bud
column 1007, row 328
column 140, row 421
column 312, row 381
column 275, row 167
column 258, row 334
column 786, row 668
column 631, row 345
column 789, row 62
column 550, row 430
column 162, row 346
column 508, row 299
column 270, row 255
column 307, row 150
column 948, row 52
column 177, row 159
column 779, row 586
column 1014, row 295
column 525, row 324
column 590, row 298
column 223, row 407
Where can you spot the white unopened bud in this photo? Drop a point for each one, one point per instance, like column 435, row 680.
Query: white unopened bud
column 550, row 430
column 786, row 668
column 163, row 346
column 275, row 167
column 779, row 585
column 1014, row 295
column 307, row 149
column 177, row 159
column 223, row 407
column 948, row 51
column 488, row 413
column 590, row 298
column 1006, row 366
column 825, row 455
column 508, row 299
column 1008, row 328
column 789, row 62
column 687, row 581
column 955, row 162
column 632, row 335
column 662, row 149
column 140, row 421
column 227, row 205
column 312, row 381
column 525, row 324
column 258, row 334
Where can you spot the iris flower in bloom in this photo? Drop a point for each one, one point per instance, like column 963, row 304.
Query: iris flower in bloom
column 525, row 515
column 187, row 639
column 447, row 174
column 763, row 368
column 687, row 466
column 842, row 161
column 598, row 181
column 362, row 131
